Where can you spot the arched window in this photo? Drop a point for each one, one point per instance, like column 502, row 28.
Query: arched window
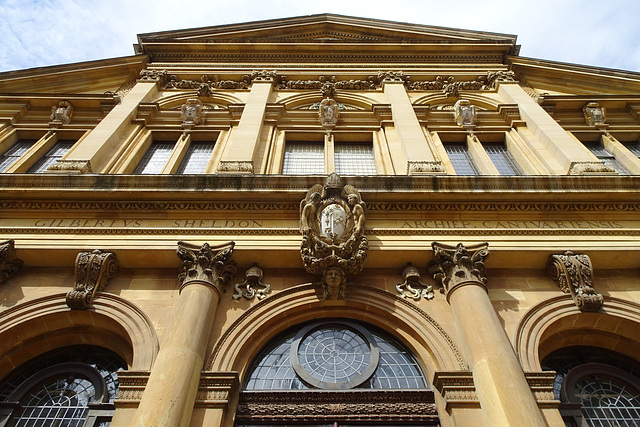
column 74, row 386
column 338, row 372
column 597, row 387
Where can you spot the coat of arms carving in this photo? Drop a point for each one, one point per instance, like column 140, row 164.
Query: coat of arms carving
column 333, row 242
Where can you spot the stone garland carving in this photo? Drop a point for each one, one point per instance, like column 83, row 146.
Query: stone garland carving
column 449, row 86
column 206, row 264
column 160, row 76
column 587, row 168
column 425, row 168
column 62, row 113
column 10, row 265
column 71, row 166
column 333, row 243
column 465, row 113
column 328, row 112
column 573, row 274
column 232, row 166
column 191, row 113
column 594, row 114
column 456, row 265
column 494, row 77
column 93, row 272
column 253, row 286
column 412, row 287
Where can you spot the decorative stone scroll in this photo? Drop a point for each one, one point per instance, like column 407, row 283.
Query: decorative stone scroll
column 62, row 113
column 412, row 287
column 465, row 114
column 594, row 114
column 191, row 113
column 333, row 243
column 573, row 274
column 93, row 272
column 456, row 265
column 10, row 265
column 253, row 286
column 206, row 264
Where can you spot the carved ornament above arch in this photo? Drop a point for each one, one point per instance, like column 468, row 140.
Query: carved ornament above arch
column 220, row 100
column 349, row 100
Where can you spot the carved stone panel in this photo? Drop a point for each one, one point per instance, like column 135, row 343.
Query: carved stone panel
column 332, row 225
column 92, row 274
column 207, row 264
column 456, row 265
column 10, row 265
column 573, row 274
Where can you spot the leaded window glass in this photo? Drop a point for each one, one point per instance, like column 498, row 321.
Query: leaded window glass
column 502, row 159
column 53, row 155
column 354, row 159
column 606, row 157
column 461, row 159
column 335, row 355
column 303, row 158
column 15, row 152
column 155, row 158
column 196, row 158
column 634, row 147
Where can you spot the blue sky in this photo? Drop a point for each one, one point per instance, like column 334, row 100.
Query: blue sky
column 40, row 33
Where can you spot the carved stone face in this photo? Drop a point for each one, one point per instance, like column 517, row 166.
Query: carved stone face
column 333, row 279
column 333, row 221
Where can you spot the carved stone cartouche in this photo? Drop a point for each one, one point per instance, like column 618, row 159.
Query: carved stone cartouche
column 328, row 113
column 253, row 286
column 573, row 274
column 191, row 113
column 594, row 114
column 62, row 113
column 207, row 264
column 332, row 221
column 93, row 272
column 465, row 113
column 413, row 287
column 456, row 265
column 10, row 265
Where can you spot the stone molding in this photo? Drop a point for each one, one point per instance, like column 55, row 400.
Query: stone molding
column 207, row 264
column 456, row 266
column 71, row 166
column 574, row 274
column 93, row 271
column 10, row 264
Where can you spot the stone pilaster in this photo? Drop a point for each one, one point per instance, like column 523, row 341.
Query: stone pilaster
column 501, row 385
column 171, row 391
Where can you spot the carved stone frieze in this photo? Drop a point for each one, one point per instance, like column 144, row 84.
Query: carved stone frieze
column 328, row 85
column 62, row 113
column 264, row 76
column 71, row 166
column 413, row 287
column 328, row 113
column 206, row 264
column 590, row 168
column 92, row 274
column 10, row 265
column 495, row 77
column 594, row 114
column 252, row 285
column 456, row 265
column 231, row 166
column 159, row 76
column 573, row 274
column 191, row 113
column 449, row 86
column 425, row 168
column 332, row 224
column 465, row 114
column 392, row 76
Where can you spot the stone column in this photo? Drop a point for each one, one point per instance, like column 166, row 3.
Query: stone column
column 418, row 155
column 239, row 154
column 501, row 386
column 91, row 153
column 171, row 390
column 574, row 157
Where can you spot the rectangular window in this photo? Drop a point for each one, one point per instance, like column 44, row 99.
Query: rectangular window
column 155, row 158
column 461, row 159
column 303, row 158
column 53, row 155
column 196, row 158
column 354, row 158
column 502, row 159
column 15, row 152
column 606, row 157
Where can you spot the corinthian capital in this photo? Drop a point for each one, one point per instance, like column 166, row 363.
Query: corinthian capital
column 206, row 264
column 10, row 265
column 93, row 272
column 456, row 265
column 573, row 274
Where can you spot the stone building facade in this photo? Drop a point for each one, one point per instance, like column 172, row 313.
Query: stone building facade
column 321, row 220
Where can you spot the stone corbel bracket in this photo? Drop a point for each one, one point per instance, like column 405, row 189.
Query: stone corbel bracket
column 206, row 264
column 10, row 265
column 413, row 287
column 573, row 274
column 92, row 274
column 455, row 266
column 253, row 285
